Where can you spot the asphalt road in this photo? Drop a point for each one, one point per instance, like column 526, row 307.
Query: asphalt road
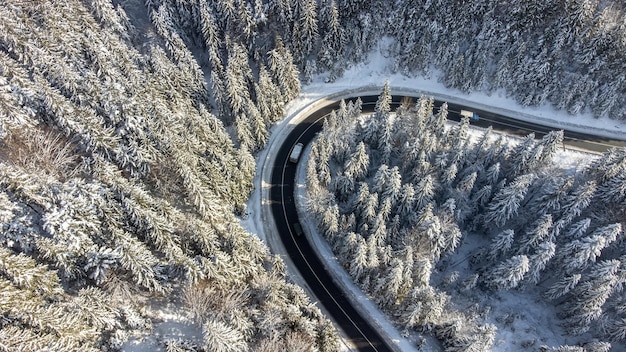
column 357, row 328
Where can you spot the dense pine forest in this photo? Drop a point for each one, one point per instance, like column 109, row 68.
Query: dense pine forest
column 396, row 194
column 128, row 135
column 120, row 184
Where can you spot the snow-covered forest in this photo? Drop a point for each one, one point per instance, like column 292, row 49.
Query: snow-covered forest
column 566, row 52
column 128, row 131
column 396, row 193
column 119, row 183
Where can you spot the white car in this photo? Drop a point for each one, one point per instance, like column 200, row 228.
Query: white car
column 295, row 153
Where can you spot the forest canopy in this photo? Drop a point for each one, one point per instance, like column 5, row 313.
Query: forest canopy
column 396, row 193
column 119, row 186
column 129, row 129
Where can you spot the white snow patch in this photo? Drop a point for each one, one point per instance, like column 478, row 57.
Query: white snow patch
column 171, row 322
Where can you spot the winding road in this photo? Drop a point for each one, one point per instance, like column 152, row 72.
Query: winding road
column 357, row 329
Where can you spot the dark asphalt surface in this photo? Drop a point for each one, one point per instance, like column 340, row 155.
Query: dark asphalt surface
column 358, row 329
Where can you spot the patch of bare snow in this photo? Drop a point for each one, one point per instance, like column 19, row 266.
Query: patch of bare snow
column 171, row 323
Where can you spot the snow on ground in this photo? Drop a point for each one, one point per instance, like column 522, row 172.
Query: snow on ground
column 521, row 318
column 172, row 322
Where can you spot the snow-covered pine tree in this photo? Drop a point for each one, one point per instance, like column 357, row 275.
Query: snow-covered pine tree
column 450, row 230
column 551, row 144
column 138, row 261
column 501, row 245
column 423, row 306
column 588, row 297
column 393, row 186
column 283, row 70
column 220, row 337
column 268, row 97
column 281, row 13
column 578, row 199
column 493, row 175
column 615, row 329
column 330, row 222
column 305, row 31
column 552, row 194
column 358, row 264
column 363, row 29
column 389, row 284
column 238, row 74
column 578, row 254
column 381, row 177
column 505, row 204
column 536, row 235
column 613, row 190
column 114, row 18
column 520, row 159
column 543, row 253
column 333, row 36
column 455, row 74
column 562, row 286
column 37, row 320
column 358, row 164
column 508, row 274
column 406, row 204
column 577, row 230
column 425, row 191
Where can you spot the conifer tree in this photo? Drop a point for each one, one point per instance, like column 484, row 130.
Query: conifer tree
column 405, row 204
column 553, row 194
column 609, row 165
column 492, row 174
column 578, row 254
column 422, row 306
column 305, row 31
column 575, row 202
column 550, row 144
column 507, row 201
column 539, row 260
column 425, row 191
column 383, row 104
column 281, row 12
column 521, row 157
column 589, row 296
column 536, row 235
column 220, row 337
column 562, row 286
column 508, row 274
column 358, row 264
column 268, row 97
column 390, row 283
column 333, row 36
column 501, row 245
column 327, row 339
column 578, row 229
column 284, row 71
column 358, row 164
